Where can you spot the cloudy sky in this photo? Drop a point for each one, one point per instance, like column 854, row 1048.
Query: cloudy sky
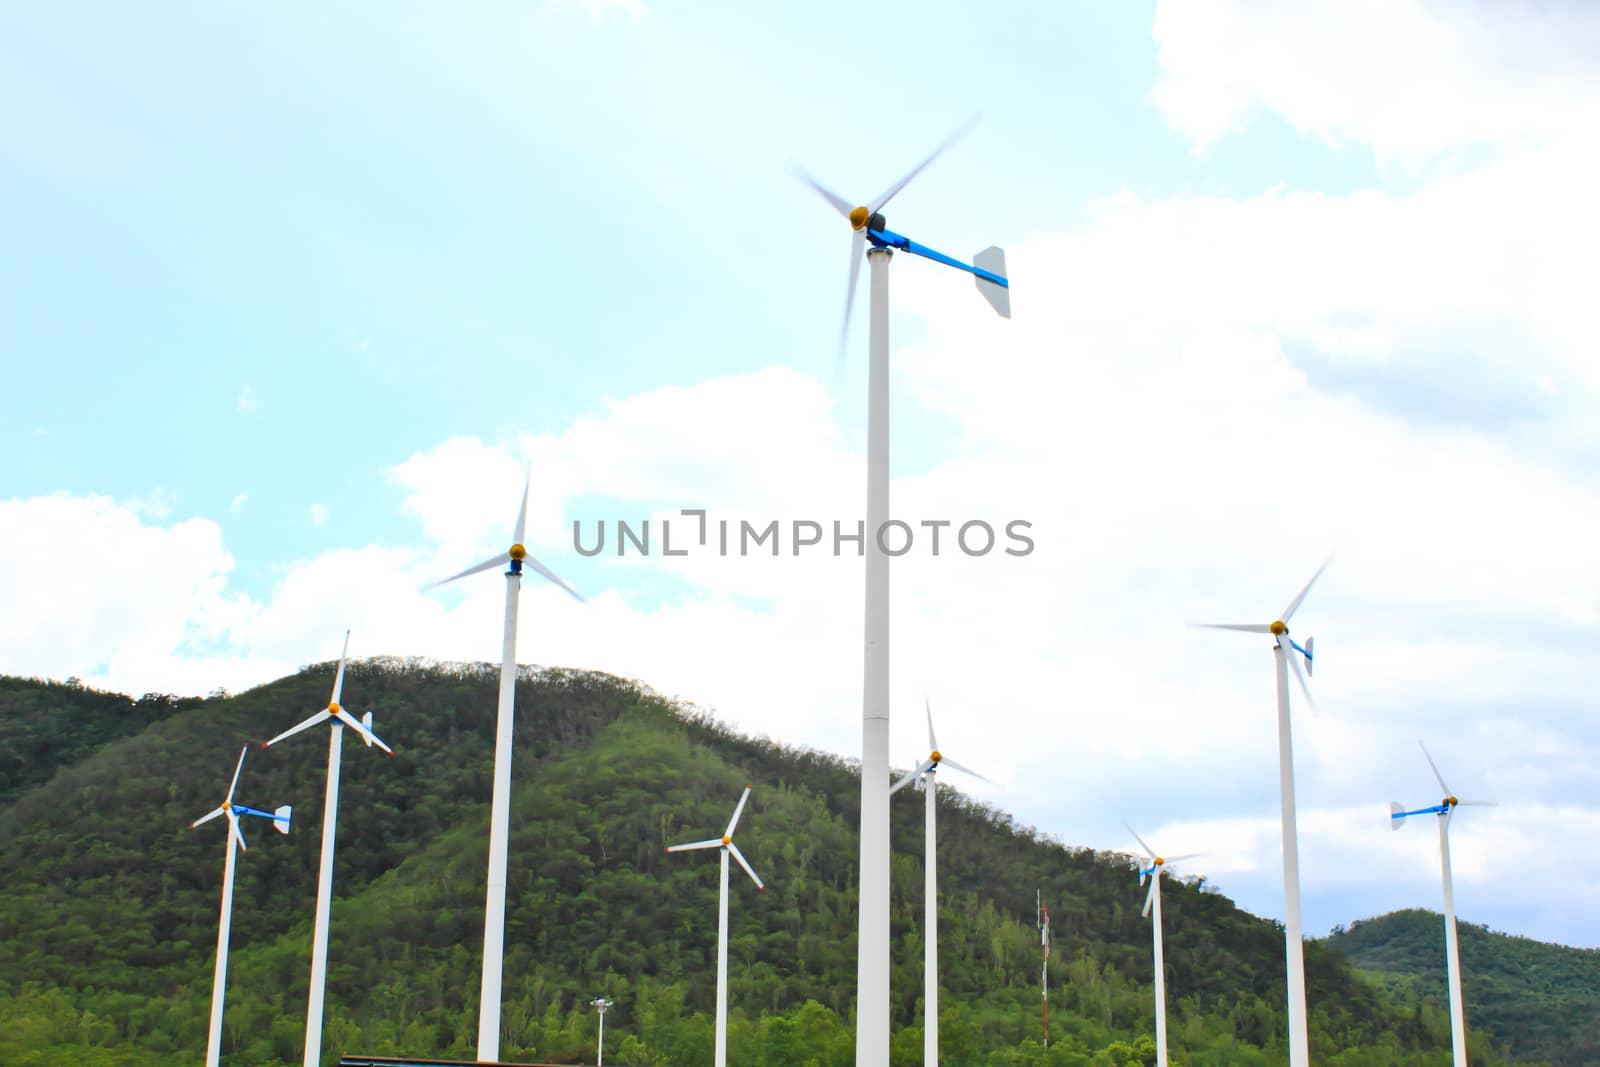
column 288, row 297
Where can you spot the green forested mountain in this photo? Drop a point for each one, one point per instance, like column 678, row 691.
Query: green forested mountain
column 1540, row 1000
column 108, row 900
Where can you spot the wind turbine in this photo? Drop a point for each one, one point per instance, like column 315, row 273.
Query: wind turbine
column 1152, row 903
column 1452, row 954
column 494, row 917
column 336, row 714
column 725, row 845
column 924, row 774
column 219, row 980
column 1283, row 651
column 868, row 227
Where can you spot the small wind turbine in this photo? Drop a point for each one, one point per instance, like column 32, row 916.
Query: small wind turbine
column 924, row 774
column 869, row 228
column 494, row 917
column 1152, row 904
column 725, row 845
column 1452, row 954
column 340, row 718
column 600, row 1004
column 219, row 980
column 1283, row 651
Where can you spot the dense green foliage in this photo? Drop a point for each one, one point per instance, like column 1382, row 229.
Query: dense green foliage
column 1542, row 1001
column 108, row 900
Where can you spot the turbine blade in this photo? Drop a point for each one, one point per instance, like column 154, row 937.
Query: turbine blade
column 553, row 577
column 522, row 512
column 1247, row 627
column 338, row 679
column 1437, row 776
column 488, row 564
column 1185, row 856
column 242, row 752
column 840, row 204
column 1148, row 851
column 361, row 729
column 1150, row 897
column 1294, row 605
column 858, row 247
column 1300, row 677
column 715, row 842
column 1478, row 803
column 208, row 816
column 877, row 203
column 947, row 762
column 321, row 716
column 910, row 776
column 933, row 742
column 737, row 811
column 751, row 871
column 238, row 835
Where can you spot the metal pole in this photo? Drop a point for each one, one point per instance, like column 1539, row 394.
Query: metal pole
column 872, row 961
column 219, row 978
column 319, row 935
column 1294, row 947
column 1452, row 955
column 494, row 912
column 930, row 948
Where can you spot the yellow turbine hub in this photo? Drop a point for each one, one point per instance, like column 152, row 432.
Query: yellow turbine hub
column 518, row 552
column 1278, row 628
column 935, row 756
column 333, row 709
column 1160, row 862
column 859, row 217
column 726, row 840
column 1451, row 801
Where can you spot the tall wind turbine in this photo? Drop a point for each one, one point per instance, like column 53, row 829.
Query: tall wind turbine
column 1152, row 904
column 1284, row 650
column 494, row 917
column 988, row 268
column 924, row 775
column 335, row 714
column 219, row 979
column 726, row 846
column 1452, row 951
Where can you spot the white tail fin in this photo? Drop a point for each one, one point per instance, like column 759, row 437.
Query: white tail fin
column 993, row 260
column 1395, row 818
column 1310, row 643
column 280, row 819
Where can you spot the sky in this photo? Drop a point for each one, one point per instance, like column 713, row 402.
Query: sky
column 291, row 296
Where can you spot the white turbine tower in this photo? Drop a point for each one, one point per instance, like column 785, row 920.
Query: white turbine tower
column 1452, row 951
column 924, row 774
column 1283, row 651
column 725, row 845
column 988, row 268
column 219, row 980
column 1152, row 907
column 339, row 717
column 494, row 917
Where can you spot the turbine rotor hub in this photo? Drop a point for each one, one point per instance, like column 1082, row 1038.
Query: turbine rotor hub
column 935, row 756
column 334, row 708
column 1160, row 862
column 858, row 218
column 726, row 840
column 1278, row 628
column 1451, row 802
column 518, row 553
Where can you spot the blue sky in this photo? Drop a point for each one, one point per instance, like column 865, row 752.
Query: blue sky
column 288, row 296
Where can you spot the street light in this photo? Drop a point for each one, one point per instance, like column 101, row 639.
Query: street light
column 600, row 1004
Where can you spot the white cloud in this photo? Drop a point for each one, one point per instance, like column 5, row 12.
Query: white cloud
column 317, row 514
column 248, row 401
column 1414, row 80
column 236, row 505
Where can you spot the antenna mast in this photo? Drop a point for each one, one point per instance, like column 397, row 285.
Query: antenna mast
column 1044, row 963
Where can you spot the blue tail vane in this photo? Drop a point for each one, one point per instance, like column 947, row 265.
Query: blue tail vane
column 890, row 239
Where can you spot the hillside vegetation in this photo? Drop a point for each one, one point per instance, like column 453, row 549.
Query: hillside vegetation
column 1541, row 1000
column 108, row 900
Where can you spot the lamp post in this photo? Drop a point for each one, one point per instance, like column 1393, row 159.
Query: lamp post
column 600, row 1004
